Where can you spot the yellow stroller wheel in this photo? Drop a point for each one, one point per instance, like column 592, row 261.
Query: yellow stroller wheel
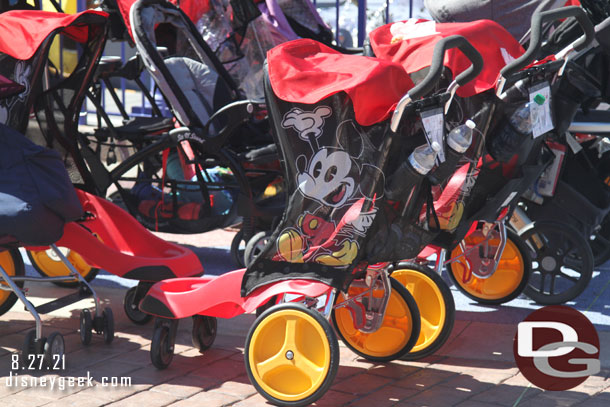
column 435, row 303
column 508, row 280
column 291, row 355
column 397, row 334
column 12, row 263
column 48, row 264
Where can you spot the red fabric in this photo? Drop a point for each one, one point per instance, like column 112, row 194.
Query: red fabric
column 486, row 36
column 194, row 9
column 305, row 71
column 22, row 31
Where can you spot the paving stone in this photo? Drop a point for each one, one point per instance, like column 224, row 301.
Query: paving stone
column 393, row 370
column 239, row 387
column 555, row 398
column 424, row 379
column 506, row 395
column 77, row 400
column 184, row 386
column 385, row 396
column 439, row 396
column 19, row 399
column 145, row 398
column 472, row 384
column 360, row 384
column 221, row 370
column 207, row 399
column 333, row 398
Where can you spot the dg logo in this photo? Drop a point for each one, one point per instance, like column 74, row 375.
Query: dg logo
column 556, row 348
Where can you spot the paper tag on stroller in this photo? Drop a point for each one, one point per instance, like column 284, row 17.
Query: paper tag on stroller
column 547, row 182
column 540, row 115
column 434, row 125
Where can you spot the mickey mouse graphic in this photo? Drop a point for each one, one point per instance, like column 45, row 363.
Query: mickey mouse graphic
column 331, row 177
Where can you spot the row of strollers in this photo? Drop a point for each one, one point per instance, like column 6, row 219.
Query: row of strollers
column 355, row 176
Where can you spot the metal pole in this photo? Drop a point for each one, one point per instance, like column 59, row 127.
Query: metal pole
column 361, row 22
column 410, row 8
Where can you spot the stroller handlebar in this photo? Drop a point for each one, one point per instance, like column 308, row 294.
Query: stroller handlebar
column 436, row 69
column 538, row 20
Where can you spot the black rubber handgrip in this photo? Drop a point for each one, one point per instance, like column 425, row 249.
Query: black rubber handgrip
column 538, row 20
column 436, row 67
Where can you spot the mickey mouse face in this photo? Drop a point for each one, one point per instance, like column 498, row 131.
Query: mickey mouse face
column 326, row 179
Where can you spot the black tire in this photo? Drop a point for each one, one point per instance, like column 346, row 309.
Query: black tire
column 12, row 258
column 238, row 247
column 563, row 247
column 86, row 327
column 28, row 348
column 204, row 332
column 429, row 301
column 162, row 346
column 333, row 350
column 131, row 308
column 108, row 324
column 600, row 243
column 68, row 284
column 255, row 246
column 400, row 290
column 54, row 348
column 520, row 246
column 270, row 303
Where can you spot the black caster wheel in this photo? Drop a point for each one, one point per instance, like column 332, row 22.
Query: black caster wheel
column 28, row 350
column 255, row 246
column 238, row 247
column 204, row 331
column 108, row 325
column 131, row 309
column 54, row 350
column 163, row 342
column 562, row 262
column 86, row 327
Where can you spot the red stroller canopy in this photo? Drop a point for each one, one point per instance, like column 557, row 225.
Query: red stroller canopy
column 22, row 31
column 494, row 43
column 194, row 9
column 305, row 71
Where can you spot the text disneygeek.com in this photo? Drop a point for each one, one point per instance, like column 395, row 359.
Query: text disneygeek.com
column 65, row 382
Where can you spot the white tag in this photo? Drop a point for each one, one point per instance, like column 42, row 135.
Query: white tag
column 540, row 115
column 434, row 125
column 574, row 145
column 547, row 182
column 412, row 29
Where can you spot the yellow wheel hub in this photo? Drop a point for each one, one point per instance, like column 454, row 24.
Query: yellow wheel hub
column 429, row 299
column 51, row 265
column 390, row 338
column 504, row 281
column 289, row 355
column 7, row 263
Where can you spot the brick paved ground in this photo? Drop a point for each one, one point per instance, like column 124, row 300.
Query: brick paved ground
column 475, row 368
